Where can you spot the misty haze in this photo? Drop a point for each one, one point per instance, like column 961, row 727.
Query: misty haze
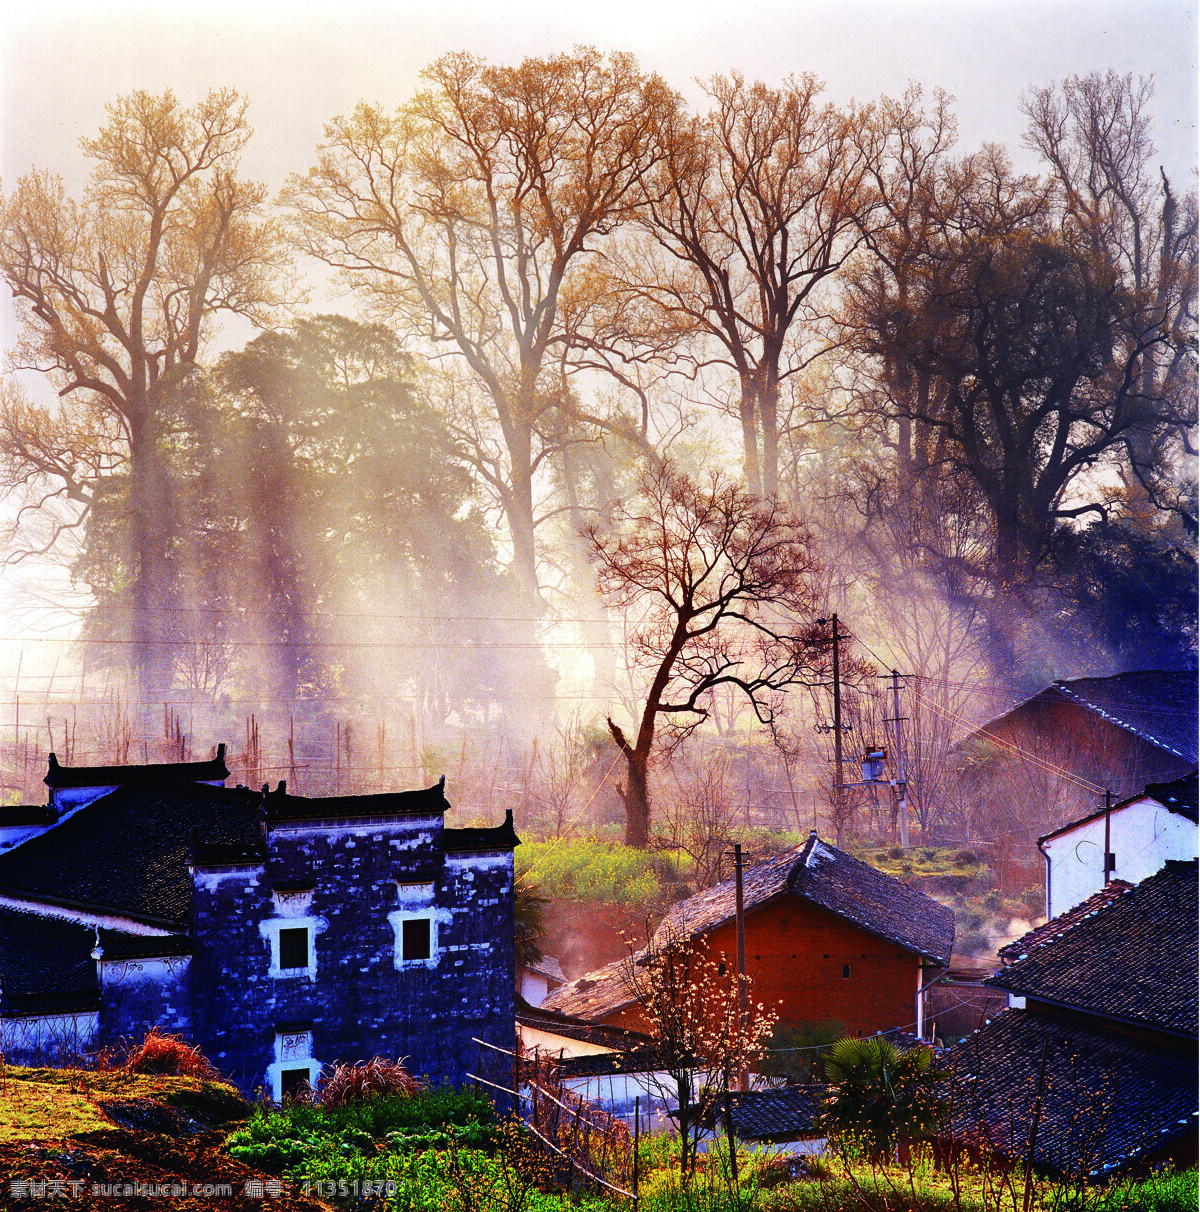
column 675, row 465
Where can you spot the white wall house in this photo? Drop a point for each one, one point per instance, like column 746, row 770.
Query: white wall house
column 1143, row 833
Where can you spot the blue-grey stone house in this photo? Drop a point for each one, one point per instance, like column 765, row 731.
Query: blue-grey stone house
column 277, row 933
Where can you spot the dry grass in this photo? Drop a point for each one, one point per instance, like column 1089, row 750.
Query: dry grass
column 168, row 1054
column 367, row 1079
column 51, row 1104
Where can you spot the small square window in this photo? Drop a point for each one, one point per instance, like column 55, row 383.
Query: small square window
column 292, row 1082
column 415, row 943
column 293, row 948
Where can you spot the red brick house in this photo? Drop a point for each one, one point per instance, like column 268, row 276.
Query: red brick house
column 827, row 937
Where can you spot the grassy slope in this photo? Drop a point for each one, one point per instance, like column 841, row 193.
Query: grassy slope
column 114, row 1127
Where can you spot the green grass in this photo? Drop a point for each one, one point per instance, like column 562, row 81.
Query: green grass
column 288, row 1139
column 589, row 871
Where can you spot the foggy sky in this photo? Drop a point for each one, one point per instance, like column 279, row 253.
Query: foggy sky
column 302, row 62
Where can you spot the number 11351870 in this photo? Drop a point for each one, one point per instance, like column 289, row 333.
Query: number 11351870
column 329, row 1188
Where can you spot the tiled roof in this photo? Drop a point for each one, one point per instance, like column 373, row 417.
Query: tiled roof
column 1039, row 936
column 428, row 801
column 128, row 851
column 549, row 967
column 828, row 877
column 474, row 840
column 777, row 1115
column 106, row 776
column 1159, row 706
column 1106, row 1098
column 555, row 1022
column 1132, row 958
column 46, row 962
column 594, row 996
column 816, row 872
column 1181, row 795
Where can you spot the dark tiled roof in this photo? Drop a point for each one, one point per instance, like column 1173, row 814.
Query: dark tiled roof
column 1160, row 707
column 554, row 1022
column 1106, row 1098
column 45, row 963
column 1133, row 958
column 129, row 850
column 777, row 1115
column 1181, row 795
column 107, row 776
column 828, row 877
column 429, row 801
column 1039, row 936
column 466, row 841
column 641, row 1058
column 596, row 995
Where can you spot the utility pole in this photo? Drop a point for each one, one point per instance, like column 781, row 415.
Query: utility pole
column 740, row 918
column 1108, row 858
column 901, row 783
column 838, row 793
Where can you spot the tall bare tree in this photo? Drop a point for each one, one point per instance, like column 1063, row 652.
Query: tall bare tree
column 1093, row 132
column 753, row 208
column 116, row 293
column 471, row 217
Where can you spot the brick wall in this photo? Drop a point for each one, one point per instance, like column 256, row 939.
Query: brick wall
column 796, row 954
column 359, row 998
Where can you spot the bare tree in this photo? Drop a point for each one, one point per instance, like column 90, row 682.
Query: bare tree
column 754, row 207
column 115, row 295
column 700, row 814
column 723, row 584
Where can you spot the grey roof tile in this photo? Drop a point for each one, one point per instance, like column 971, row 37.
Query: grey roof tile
column 1106, row 1099
column 826, row 876
column 1131, row 958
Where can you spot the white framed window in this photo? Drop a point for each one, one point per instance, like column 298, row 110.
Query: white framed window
column 415, row 924
column 293, row 943
column 294, row 1064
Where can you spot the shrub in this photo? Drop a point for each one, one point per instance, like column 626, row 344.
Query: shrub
column 895, row 853
column 367, row 1079
column 966, row 858
column 168, row 1054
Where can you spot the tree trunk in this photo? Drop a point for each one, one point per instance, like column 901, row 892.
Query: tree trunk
column 749, row 413
column 150, row 512
column 635, row 794
column 768, row 411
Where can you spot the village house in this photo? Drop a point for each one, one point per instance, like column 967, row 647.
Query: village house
column 277, row 933
column 1138, row 834
column 827, row 938
column 1050, row 759
column 1100, row 1037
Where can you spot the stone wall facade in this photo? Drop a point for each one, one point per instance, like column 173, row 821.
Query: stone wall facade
column 352, row 938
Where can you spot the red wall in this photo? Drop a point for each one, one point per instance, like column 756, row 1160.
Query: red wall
column 795, row 954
